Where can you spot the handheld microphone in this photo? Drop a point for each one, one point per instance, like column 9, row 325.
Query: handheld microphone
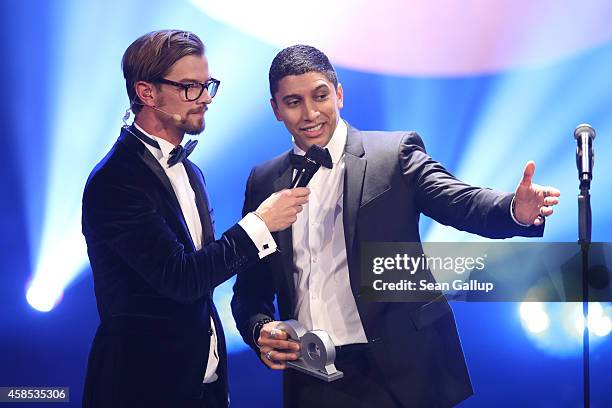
column 584, row 135
column 313, row 159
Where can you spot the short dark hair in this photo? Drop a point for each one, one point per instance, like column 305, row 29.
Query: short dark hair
column 297, row 60
column 152, row 55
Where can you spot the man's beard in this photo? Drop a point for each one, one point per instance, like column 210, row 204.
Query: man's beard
column 189, row 127
column 194, row 130
column 185, row 125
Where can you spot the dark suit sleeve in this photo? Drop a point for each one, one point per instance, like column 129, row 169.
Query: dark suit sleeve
column 449, row 201
column 126, row 219
column 253, row 298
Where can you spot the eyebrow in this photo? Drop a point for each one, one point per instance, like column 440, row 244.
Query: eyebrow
column 318, row 88
column 192, row 80
column 296, row 96
column 291, row 96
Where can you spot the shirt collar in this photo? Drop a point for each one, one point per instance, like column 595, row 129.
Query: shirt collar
column 335, row 145
column 165, row 147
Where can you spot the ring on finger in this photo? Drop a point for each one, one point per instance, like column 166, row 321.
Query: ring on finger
column 269, row 355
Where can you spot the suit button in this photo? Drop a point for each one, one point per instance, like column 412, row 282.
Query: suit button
column 210, row 332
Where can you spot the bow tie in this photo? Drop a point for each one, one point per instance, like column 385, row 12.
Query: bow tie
column 177, row 155
column 299, row 161
column 180, row 153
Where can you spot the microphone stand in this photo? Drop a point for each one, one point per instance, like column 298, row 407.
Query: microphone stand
column 584, row 239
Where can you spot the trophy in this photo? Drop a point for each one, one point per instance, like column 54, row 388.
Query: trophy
column 317, row 351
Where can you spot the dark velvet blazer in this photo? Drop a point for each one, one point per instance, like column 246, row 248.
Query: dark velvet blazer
column 389, row 181
column 153, row 289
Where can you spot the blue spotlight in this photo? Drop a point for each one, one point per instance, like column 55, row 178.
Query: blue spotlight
column 42, row 298
column 557, row 328
column 59, row 263
column 599, row 322
column 534, row 317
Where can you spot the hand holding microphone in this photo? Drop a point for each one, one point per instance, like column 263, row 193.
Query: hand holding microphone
column 279, row 211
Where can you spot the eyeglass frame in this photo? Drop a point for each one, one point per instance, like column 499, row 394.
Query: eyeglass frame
column 186, row 87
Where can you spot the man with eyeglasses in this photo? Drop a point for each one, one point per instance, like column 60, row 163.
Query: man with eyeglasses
column 149, row 230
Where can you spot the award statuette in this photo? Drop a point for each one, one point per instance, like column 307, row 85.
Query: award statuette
column 317, row 351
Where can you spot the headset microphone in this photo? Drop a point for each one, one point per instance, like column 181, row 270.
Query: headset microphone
column 175, row 116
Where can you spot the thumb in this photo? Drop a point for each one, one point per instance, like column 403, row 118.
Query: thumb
column 528, row 172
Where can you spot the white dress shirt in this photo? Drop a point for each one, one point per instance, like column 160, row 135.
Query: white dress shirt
column 324, row 299
column 254, row 227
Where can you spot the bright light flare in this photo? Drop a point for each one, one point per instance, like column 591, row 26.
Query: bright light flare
column 534, row 317
column 599, row 323
column 60, row 262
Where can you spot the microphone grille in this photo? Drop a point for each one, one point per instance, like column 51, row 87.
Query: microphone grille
column 584, row 127
column 316, row 153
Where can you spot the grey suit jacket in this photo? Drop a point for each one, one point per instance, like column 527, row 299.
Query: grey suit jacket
column 389, row 181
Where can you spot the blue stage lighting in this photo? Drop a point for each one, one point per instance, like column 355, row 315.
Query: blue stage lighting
column 556, row 328
column 598, row 321
column 60, row 261
column 534, row 317
column 42, row 298
column 488, row 114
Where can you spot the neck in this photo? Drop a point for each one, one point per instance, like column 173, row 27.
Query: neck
column 151, row 124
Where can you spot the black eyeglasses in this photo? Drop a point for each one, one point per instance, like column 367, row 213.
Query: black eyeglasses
column 194, row 90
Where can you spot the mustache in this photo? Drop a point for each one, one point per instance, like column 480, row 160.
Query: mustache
column 197, row 111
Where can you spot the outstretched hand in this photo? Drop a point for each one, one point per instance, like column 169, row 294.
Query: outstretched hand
column 533, row 202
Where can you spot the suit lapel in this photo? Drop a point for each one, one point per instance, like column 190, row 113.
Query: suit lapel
column 133, row 144
column 198, row 185
column 285, row 237
column 355, row 163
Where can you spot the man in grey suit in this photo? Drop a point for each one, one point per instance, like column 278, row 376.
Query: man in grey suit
column 376, row 187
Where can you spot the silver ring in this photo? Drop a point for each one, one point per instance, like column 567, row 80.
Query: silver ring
column 269, row 355
column 546, row 193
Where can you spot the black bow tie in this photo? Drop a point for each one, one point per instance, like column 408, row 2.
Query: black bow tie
column 180, row 153
column 299, row 161
column 177, row 155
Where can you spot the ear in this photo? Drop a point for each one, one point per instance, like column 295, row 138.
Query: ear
column 275, row 109
column 340, row 95
column 145, row 92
